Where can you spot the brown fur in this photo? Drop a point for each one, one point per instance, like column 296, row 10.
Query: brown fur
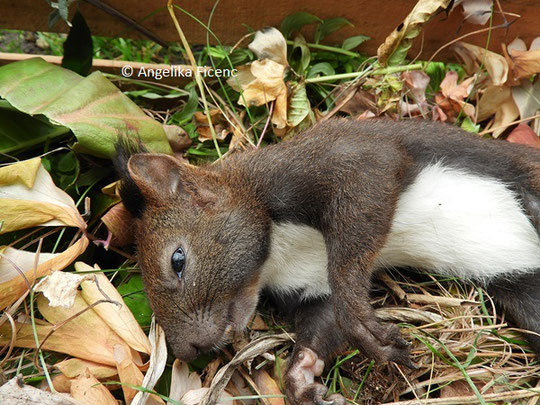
column 341, row 177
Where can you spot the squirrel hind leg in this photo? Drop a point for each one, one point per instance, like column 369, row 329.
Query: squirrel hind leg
column 519, row 296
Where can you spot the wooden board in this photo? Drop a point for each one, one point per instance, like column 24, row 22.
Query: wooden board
column 376, row 18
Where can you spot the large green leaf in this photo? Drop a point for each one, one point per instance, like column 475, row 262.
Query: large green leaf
column 92, row 107
column 19, row 131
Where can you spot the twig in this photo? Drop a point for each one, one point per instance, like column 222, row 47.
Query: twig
column 266, row 124
column 488, row 131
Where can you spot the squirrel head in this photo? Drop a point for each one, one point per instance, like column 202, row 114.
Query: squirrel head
column 200, row 245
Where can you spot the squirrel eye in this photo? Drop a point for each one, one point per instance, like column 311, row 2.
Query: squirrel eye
column 178, row 261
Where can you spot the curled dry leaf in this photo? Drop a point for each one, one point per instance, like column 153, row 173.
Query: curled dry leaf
column 158, row 360
column 61, row 383
column 527, row 98
column 194, row 397
column 451, row 99
column 87, row 390
column 524, row 135
column 128, row 372
column 394, row 49
column 498, row 100
column 523, row 63
column 416, row 82
column 475, row 11
column 269, row 43
column 120, row 223
column 177, row 137
column 13, row 262
column 29, row 197
column 474, row 57
column 253, row 349
column 85, row 336
column 268, row 386
column 60, row 288
column 116, row 315
column 74, row 367
column 220, row 123
column 182, row 380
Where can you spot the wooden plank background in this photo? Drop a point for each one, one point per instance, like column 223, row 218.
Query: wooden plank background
column 376, row 18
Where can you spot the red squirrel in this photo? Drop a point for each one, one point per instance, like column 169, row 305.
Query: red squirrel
column 311, row 219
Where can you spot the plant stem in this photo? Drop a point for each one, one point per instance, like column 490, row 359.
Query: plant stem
column 330, row 49
column 354, row 75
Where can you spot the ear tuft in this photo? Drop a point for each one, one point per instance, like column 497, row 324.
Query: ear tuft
column 129, row 191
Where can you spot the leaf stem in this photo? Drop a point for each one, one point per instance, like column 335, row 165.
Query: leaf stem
column 329, row 48
column 354, row 75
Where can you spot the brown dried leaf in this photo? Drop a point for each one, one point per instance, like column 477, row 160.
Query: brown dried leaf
column 89, row 391
column 182, row 381
column 13, row 284
column 117, row 316
column 15, row 392
column 524, row 135
column 268, row 386
column 269, row 43
column 120, row 224
column 416, row 82
column 474, row 57
column 451, row 99
column 394, row 49
column 74, row 367
column 128, row 372
column 60, row 288
column 61, row 383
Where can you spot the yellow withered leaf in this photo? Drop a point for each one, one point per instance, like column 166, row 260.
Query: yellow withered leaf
column 117, row 316
column 60, row 288
column 13, row 262
column 268, row 386
column 89, row 391
column 182, row 381
column 29, row 197
column 128, row 373
column 85, row 336
column 74, row 367
column 475, row 58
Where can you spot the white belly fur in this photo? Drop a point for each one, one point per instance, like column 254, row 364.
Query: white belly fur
column 448, row 221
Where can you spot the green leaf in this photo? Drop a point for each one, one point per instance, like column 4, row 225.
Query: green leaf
column 296, row 21
column 186, row 113
column 64, row 168
column 436, row 72
column 326, row 27
column 301, row 65
column 299, row 107
column 135, row 298
column 78, row 48
column 353, row 42
column 19, row 131
column 92, row 107
column 321, row 69
column 470, row 126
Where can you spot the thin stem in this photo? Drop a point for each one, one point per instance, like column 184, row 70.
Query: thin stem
column 383, row 71
column 330, row 49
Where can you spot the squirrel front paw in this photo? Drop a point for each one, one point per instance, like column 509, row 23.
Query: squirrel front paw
column 382, row 342
column 301, row 388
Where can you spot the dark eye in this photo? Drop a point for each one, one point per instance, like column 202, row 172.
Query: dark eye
column 178, row 261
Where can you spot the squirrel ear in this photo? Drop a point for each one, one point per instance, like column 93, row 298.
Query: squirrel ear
column 156, row 173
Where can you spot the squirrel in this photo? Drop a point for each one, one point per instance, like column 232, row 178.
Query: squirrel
column 310, row 220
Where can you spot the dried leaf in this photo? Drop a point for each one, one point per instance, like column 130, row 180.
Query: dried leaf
column 491, row 100
column 177, row 137
column 74, row 367
column 86, row 336
column 13, row 284
column 60, row 288
column 524, row 135
column 194, row 397
column 451, row 99
column 394, row 49
column 118, row 318
column 268, row 386
column 158, row 360
column 120, row 223
column 527, row 98
column 475, row 11
column 128, row 372
column 15, row 392
column 524, row 63
column 474, row 57
column 32, row 199
column 269, row 43
column 61, row 383
column 182, row 381
column 89, row 391
column 416, row 82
